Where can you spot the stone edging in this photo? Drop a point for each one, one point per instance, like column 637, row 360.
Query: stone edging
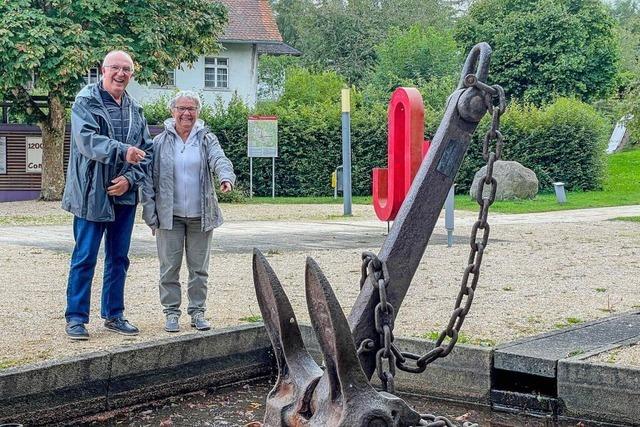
column 51, row 392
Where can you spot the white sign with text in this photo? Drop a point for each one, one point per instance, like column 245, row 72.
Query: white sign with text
column 262, row 136
column 34, row 154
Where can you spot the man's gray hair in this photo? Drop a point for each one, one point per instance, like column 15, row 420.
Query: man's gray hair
column 189, row 94
column 116, row 52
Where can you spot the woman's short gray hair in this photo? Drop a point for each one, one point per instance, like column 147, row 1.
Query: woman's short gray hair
column 189, row 94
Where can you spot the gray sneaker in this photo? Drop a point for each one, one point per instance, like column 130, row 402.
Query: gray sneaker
column 172, row 325
column 199, row 322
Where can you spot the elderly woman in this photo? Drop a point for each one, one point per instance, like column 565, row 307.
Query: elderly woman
column 180, row 205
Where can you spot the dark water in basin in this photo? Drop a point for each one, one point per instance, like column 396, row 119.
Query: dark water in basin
column 241, row 404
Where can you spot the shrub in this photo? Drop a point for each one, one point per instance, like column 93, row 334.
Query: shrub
column 272, row 73
column 563, row 141
column 237, row 195
column 157, row 112
column 303, row 87
column 413, row 56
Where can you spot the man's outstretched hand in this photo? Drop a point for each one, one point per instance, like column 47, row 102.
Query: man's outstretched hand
column 134, row 155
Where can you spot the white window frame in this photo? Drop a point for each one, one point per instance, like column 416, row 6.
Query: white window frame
column 88, row 79
column 171, row 78
column 214, row 63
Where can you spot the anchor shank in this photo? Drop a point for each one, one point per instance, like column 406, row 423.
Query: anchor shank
column 405, row 245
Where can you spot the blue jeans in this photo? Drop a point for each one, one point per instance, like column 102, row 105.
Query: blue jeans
column 88, row 235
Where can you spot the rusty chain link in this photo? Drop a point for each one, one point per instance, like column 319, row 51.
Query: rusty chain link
column 384, row 315
column 388, row 357
column 462, row 306
column 429, row 420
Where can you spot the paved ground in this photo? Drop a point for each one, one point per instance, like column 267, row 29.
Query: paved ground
column 233, row 237
column 242, row 236
column 541, row 271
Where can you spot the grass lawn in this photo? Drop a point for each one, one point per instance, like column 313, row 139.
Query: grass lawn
column 622, row 187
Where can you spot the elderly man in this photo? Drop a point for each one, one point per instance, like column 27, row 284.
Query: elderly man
column 110, row 151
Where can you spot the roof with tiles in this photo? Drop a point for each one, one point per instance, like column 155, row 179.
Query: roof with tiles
column 251, row 20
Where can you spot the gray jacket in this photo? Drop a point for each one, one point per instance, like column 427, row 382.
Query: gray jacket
column 96, row 158
column 157, row 192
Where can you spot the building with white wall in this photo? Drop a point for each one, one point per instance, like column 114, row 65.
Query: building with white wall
column 251, row 31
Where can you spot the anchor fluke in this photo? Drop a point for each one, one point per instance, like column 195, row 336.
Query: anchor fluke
column 298, row 373
column 352, row 400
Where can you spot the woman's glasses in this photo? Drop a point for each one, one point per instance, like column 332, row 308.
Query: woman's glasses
column 185, row 109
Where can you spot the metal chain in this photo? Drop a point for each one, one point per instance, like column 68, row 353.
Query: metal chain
column 384, row 315
column 478, row 246
column 430, row 420
column 388, row 357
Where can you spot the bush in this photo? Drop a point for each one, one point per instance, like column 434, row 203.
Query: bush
column 157, row 112
column 564, row 141
column 303, row 87
column 272, row 73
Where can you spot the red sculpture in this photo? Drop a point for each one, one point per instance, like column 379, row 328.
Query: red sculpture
column 406, row 147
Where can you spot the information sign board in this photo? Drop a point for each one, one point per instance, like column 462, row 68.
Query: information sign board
column 34, row 154
column 262, row 136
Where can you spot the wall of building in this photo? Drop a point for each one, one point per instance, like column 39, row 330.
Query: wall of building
column 21, row 167
column 242, row 78
column 20, row 160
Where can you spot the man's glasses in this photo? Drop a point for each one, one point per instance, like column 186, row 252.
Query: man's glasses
column 117, row 69
column 185, row 109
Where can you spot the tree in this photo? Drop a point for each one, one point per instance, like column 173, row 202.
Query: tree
column 627, row 14
column 341, row 35
column 54, row 43
column 545, row 48
column 625, row 105
column 625, row 11
column 413, row 57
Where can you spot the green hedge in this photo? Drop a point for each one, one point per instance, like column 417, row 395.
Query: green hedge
column 309, row 149
column 563, row 141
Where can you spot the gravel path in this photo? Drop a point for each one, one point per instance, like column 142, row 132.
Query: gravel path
column 538, row 274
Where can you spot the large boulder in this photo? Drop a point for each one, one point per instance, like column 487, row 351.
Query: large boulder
column 514, row 181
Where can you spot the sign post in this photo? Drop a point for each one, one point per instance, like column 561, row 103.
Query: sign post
column 346, row 151
column 262, row 141
column 449, row 205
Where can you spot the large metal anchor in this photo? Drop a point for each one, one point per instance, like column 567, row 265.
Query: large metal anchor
column 341, row 395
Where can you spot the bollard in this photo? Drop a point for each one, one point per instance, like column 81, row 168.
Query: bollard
column 448, row 215
column 560, row 194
